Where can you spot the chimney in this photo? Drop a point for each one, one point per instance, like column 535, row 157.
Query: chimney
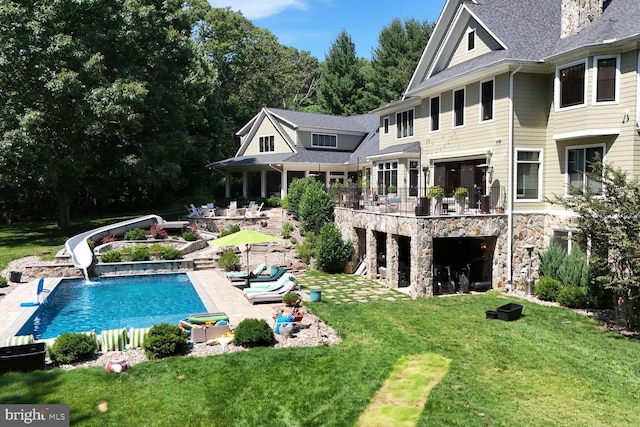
column 578, row 14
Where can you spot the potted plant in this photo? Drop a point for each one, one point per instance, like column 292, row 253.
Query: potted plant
column 290, row 299
column 460, row 195
column 392, row 190
column 436, row 192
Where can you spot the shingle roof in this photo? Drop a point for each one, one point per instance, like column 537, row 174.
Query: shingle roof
column 532, row 33
column 361, row 123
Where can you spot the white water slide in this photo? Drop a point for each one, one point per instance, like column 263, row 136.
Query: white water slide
column 78, row 246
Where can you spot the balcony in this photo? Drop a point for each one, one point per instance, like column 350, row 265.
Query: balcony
column 406, row 202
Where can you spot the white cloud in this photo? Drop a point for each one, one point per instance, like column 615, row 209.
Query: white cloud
column 256, row 9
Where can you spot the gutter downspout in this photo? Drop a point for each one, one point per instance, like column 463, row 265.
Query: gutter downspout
column 510, row 181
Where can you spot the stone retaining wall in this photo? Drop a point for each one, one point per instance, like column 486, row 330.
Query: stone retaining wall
column 528, row 229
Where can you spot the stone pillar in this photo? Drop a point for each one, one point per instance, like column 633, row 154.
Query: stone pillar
column 577, row 15
column 392, row 260
column 372, row 255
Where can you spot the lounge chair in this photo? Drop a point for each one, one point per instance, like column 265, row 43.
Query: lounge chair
column 269, row 286
column 276, row 273
column 209, row 210
column 274, row 296
column 241, row 275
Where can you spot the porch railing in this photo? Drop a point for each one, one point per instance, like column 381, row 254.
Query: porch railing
column 411, row 201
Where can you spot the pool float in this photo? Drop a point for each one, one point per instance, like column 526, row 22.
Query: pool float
column 207, row 317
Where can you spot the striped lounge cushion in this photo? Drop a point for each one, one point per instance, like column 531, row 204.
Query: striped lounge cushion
column 136, row 337
column 113, row 339
column 19, row 340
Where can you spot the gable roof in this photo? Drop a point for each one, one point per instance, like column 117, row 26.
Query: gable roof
column 529, row 34
column 364, row 124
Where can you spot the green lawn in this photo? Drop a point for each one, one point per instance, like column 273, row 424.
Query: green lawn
column 552, row 367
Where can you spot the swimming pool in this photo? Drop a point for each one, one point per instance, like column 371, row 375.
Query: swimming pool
column 111, row 303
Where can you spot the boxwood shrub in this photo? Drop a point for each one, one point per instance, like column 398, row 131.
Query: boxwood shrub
column 547, row 288
column 135, row 234
column 72, row 347
column 165, row 340
column 254, row 333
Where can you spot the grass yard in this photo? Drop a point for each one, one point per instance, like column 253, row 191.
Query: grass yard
column 551, row 367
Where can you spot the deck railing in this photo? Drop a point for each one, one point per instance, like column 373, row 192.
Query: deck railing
column 411, row 201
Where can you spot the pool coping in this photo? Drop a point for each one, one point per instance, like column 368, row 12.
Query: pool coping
column 210, row 285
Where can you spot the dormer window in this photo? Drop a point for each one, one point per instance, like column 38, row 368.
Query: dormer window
column 471, row 39
column 325, row 141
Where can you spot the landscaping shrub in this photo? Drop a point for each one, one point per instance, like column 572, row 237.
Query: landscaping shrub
column 289, row 299
column 230, row 230
column 294, row 193
column 332, row 253
column 228, row 261
column 189, row 236
column 287, row 229
column 170, row 253
column 135, row 234
column 551, row 259
column 547, row 288
column 600, row 276
column 108, row 239
column 3, row 282
column 157, row 232
column 306, row 250
column 164, row 340
column 71, row 348
column 574, row 270
column 293, row 240
column 254, row 333
column 315, row 209
column 111, row 256
column 573, row 297
column 274, row 202
column 140, row 253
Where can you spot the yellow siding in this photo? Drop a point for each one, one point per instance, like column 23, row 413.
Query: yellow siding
column 391, row 140
column 484, row 44
column 266, row 128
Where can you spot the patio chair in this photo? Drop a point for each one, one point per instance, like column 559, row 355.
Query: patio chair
column 209, row 210
column 254, row 212
column 232, row 210
column 241, row 275
column 276, row 273
column 198, row 211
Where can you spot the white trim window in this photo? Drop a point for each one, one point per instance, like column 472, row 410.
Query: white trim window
column 487, row 100
column 434, row 114
column 528, row 175
column 387, row 176
column 606, row 79
column 404, row 123
column 471, row 39
column 324, row 140
column 267, row 143
column 579, row 165
column 385, row 125
column 571, row 85
column 459, row 98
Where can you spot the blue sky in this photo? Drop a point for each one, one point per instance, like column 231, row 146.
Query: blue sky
column 313, row 25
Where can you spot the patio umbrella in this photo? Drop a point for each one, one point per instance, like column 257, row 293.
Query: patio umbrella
column 244, row 237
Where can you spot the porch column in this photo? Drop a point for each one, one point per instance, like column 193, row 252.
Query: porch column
column 263, row 184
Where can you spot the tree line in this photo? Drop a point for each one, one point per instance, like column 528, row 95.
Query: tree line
column 106, row 103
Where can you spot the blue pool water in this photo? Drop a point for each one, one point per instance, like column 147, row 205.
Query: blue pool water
column 110, row 303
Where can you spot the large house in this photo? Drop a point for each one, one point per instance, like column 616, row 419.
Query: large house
column 511, row 100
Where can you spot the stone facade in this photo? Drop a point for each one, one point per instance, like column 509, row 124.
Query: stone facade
column 536, row 230
column 578, row 14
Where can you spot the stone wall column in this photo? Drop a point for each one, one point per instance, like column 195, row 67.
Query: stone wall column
column 372, row 256
column 392, row 260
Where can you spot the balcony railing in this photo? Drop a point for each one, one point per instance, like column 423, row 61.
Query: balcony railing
column 409, row 201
